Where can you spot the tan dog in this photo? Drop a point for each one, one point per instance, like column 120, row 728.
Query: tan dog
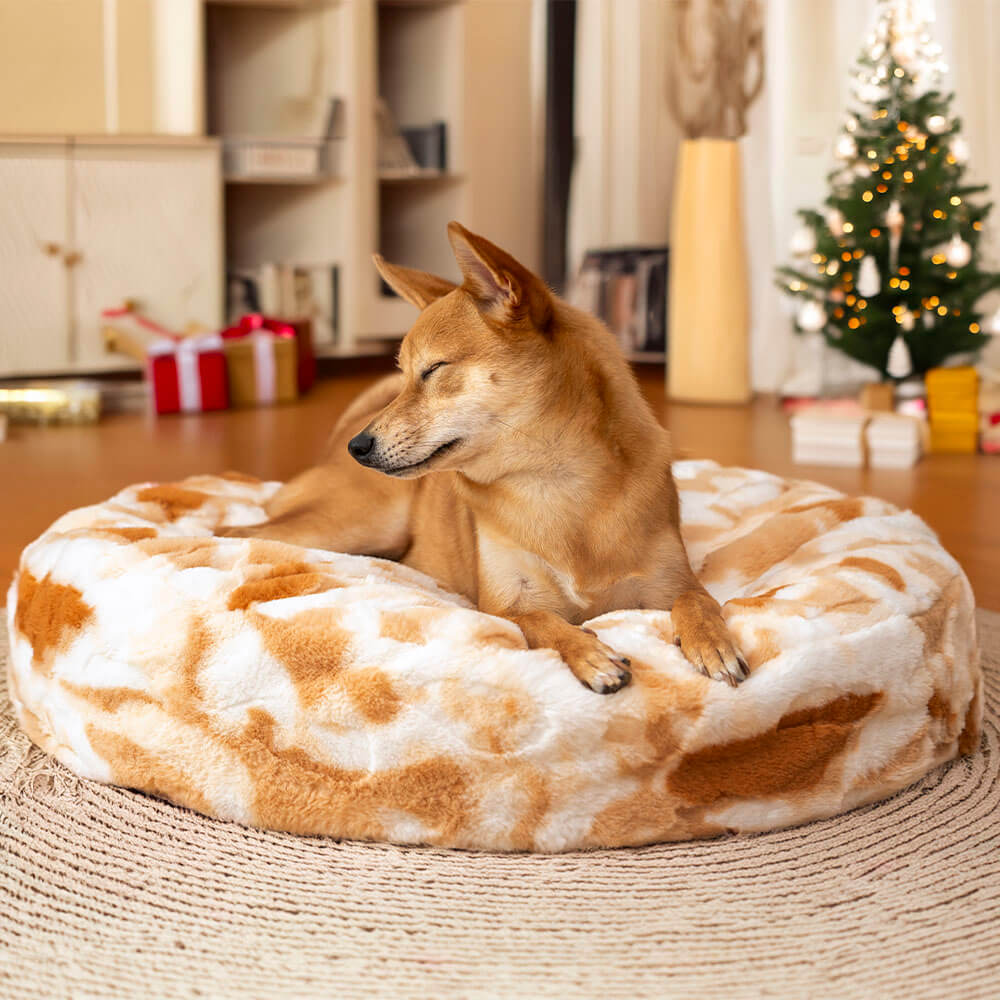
column 516, row 462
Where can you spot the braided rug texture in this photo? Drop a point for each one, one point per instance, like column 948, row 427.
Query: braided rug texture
column 106, row 892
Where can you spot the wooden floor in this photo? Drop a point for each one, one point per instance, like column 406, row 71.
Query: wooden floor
column 44, row 472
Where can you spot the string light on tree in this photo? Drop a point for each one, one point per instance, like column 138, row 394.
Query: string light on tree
column 901, row 225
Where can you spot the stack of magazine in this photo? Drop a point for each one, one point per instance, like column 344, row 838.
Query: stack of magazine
column 627, row 288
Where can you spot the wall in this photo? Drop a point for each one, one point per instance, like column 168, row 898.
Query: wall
column 100, row 66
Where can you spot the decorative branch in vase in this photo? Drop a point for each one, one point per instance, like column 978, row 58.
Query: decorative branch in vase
column 715, row 71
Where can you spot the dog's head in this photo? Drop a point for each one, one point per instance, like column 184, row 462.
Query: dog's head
column 474, row 365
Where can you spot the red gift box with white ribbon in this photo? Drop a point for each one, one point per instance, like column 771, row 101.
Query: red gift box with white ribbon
column 188, row 374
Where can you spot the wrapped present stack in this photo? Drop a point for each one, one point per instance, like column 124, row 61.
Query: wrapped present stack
column 952, row 405
column 829, row 436
column 895, row 441
column 256, row 362
column 989, row 412
column 854, row 433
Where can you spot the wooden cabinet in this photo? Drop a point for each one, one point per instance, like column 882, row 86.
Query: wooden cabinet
column 147, row 224
column 34, row 235
column 86, row 224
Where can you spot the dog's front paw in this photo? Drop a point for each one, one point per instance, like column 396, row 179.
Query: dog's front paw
column 595, row 665
column 704, row 639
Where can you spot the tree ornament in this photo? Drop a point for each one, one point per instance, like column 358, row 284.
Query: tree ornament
column 904, row 51
column 812, row 316
column 803, row 241
column 907, row 319
column 937, row 124
column 869, row 283
column 869, row 93
column 835, row 221
column 994, row 324
column 900, row 364
column 959, row 253
column 960, row 150
column 861, row 169
column 928, row 317
column 846, row 148
column 894, row 223
column 850, row 124
column 913, row 134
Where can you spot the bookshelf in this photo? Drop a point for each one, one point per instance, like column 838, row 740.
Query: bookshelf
column 272, row 67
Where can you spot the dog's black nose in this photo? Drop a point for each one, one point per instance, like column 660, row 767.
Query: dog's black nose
column 361, row 445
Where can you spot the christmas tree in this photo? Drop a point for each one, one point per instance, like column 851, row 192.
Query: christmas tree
column 890, row 273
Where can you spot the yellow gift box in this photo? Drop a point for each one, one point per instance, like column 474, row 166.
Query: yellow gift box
column 955, row 432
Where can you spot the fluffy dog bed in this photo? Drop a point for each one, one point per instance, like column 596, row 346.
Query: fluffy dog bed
column 314, row 692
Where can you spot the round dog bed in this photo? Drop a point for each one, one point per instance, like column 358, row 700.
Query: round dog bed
column 314, row 692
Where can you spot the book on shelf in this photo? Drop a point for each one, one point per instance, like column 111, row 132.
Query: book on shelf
column 290, row 291
column 428, row 145
column 627, row 288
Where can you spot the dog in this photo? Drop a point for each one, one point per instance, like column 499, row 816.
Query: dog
column 514, row 460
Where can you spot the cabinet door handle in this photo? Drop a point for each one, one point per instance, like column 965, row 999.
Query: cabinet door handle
column 72, row 257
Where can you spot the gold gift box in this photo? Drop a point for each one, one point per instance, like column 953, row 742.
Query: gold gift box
column 241, row 363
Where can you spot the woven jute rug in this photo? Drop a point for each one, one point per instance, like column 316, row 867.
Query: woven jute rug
column 109, row 893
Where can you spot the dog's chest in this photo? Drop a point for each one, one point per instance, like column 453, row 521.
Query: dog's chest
column 518, row 580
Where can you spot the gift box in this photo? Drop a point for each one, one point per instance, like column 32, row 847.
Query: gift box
column 951, row 400
column 262, row 357
column 300, row 329
column 188, row 374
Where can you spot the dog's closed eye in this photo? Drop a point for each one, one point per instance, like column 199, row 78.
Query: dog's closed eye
column 427, row 372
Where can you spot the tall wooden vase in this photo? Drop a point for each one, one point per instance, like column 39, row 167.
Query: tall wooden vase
column 708, row 357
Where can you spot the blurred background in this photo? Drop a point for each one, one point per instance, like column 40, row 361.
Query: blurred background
column 193, row 189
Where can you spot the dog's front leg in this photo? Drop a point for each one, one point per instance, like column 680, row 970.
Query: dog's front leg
column 595, row 665
column 699, row 627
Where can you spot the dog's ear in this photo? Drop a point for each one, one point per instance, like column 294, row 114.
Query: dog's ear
column 419, row 288
column 505, row 291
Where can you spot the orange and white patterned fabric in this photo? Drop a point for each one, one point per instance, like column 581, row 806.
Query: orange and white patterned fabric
column 320, row 693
